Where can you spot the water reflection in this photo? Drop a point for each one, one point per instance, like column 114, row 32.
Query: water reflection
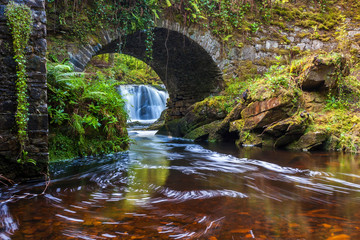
column 168, row 188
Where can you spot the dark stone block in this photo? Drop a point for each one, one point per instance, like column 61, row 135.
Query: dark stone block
column 36, row 3
column 40, row 46
column 7, row 121
column 10, row 62
column 5, row 30
column 38, row 122
column 38, row 108
column 10, row 144
column 39, row 16
column 77, row 64
column 2, row 12
column 36, row 63
column 37, row 93
column 97, row 47
column 7, row 106
column 36, row 78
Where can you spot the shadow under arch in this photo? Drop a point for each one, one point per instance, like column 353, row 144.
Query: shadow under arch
column 186, row 69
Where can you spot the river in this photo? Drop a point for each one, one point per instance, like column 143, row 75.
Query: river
column 171, row 188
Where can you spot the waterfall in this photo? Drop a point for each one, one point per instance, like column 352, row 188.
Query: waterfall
column 143, row 102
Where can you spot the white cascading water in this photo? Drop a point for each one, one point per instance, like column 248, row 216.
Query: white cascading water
column 143, row 102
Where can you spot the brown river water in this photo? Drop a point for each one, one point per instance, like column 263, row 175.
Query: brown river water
column 170, row 188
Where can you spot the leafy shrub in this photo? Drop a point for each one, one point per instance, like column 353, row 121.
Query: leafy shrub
column 90, row 113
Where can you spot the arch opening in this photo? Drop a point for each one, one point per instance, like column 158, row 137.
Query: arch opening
column 144, row 94
column 187, row 70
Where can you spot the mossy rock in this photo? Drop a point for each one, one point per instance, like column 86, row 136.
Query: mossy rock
column 202, row 133
column 249, row 139
column 237, row 125
column 309, row 141
column 289, row 130
column 176, row 128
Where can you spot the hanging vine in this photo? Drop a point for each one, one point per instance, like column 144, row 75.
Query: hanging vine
column 20, row 23
column 84, row 18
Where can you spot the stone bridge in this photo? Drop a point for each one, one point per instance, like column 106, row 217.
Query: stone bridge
column 187, row 60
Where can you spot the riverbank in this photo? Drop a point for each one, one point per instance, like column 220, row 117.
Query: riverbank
column 307, row 104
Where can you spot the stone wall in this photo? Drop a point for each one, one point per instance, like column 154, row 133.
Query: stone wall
column 37, row 91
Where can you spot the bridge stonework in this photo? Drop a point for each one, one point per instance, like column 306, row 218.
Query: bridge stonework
column 188, row 61
column 37, row 145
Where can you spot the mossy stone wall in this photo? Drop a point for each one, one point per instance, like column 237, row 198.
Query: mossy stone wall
column 37, row 145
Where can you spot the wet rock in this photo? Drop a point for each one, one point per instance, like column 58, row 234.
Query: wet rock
column 249, row 139
column 176, row 128
column 288, row 130
column 223, row 129
column 198, row 114
column 202, row 133
column 309, row 141
column 260, row 114
column 158, row 123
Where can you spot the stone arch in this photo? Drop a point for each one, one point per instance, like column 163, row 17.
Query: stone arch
column 189, row 72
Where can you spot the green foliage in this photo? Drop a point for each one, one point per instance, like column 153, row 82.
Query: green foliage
column 20, row 22
column 124, row 68
column 83, row 18
column 88, row 111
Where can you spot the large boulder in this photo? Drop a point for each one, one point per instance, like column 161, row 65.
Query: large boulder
column 324, row 74
column 309, row 141
column 205, row 132
column 222, row 132
column 258, row 115
column 287, row 131
column 201, row 113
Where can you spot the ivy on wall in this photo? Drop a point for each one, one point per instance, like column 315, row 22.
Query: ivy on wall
column 80, row 19
column 20, row 23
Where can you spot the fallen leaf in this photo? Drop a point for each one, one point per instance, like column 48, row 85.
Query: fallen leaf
column 339, row 237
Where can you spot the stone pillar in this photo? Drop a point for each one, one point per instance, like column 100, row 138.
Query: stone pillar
column 37, row 91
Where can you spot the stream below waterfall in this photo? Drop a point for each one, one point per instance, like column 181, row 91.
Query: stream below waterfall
column 171, row 188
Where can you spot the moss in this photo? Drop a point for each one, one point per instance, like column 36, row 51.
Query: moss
column 285, row 39
column 237, row 125
column 62, row 147
column 247, row 138
column 214, row 105
column 203, row 132
column 342, row 126
column 303, row 35
column 279, row 24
